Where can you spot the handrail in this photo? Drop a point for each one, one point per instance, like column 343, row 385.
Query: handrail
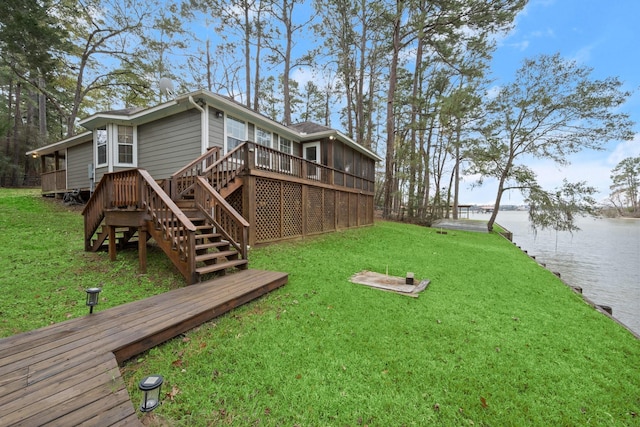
column 249, row 155
column 115, row 189
column 226, row 168
column 182, row 181
column 136, row 189
column 170, row 221
column 165, row 199
column 271, row 160
column 227, row 220
column 93, row 212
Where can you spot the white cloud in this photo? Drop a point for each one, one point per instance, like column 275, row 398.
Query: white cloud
column 583, row 55
column 595, row 172
column 493, row 91
column 521, row 46
column 623, row 150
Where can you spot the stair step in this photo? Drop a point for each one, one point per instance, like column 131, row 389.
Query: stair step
column 215, row 255
column 203, row 236
column 210, row 245
column 221, row 266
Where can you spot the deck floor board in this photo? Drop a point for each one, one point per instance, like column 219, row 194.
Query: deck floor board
column 67, row 373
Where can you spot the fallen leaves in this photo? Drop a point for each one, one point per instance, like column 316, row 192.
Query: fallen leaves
column 173, row 393
column 483, row 402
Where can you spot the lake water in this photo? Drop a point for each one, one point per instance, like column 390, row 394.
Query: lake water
column 603, row 258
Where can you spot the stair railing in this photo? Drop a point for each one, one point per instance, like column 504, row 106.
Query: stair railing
column 226, row 219
column 226, row 168
column 183, row 180
column 135, row 189
column 169, row 220
column 93, row 212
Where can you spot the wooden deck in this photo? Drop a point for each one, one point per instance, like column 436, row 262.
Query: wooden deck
column 67, row 374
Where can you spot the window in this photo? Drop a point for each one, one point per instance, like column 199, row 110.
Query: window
column 263, row 137
column 101, row 146
column 285, row 147
column 263, row 157
column 125, row 145
column 236, row 133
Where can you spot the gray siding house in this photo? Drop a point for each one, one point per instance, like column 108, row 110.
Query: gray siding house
column 294, row 180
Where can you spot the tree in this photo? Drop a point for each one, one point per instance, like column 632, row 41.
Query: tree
column 558, row 209
column 282, row 12
column 31, row 43
column 435, row 21
column 552, row 109
column 626, row 184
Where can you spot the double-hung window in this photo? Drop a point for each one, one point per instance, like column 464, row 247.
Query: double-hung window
column 101, row 146
column 236, row 132
column 125, row 145
column 263, row 157
column 286, row 147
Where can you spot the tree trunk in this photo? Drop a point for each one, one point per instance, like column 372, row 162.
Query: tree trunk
column 17, row 124
column 456, row 170
column 496, row 206
column 286, row 95
column 390, row 156
column 247, row 54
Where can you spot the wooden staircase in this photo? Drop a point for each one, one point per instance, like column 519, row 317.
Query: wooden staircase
column 187, row 217
column 213, row 253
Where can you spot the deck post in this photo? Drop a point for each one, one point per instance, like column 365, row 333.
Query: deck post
column 304, row 208
column 112, row 242
column 142, row 249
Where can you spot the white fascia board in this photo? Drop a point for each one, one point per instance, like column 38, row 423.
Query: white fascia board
column 65, row 143
column 227, row 106
column 242, row 112
column 344, row 138
column 139, row 117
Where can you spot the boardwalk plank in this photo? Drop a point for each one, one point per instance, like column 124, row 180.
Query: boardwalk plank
column 67, row 373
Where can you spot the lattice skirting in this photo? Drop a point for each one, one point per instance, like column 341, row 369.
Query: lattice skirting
column 286, row 209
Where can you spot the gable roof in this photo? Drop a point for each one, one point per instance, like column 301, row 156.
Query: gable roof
column 303, row 132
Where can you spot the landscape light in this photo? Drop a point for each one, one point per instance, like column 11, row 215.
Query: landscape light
column 92, row 298
column 150, row 387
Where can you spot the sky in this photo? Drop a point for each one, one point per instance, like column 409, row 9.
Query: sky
column 601, row 34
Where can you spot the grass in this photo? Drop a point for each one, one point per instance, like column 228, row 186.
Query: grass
column 45, row 270
column 495, row 339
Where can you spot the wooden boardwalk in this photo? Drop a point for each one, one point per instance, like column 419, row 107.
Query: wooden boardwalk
column 67, row 374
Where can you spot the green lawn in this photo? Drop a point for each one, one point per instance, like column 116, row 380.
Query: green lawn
column 495, row 339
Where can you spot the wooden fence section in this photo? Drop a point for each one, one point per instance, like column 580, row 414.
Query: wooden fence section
column 54, row 181
column 284, row 209
column 67, row 373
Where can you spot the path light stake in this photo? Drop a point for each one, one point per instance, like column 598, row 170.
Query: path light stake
column 150, row 387
column 92, row 298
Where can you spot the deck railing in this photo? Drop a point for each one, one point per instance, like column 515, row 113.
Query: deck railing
column 226, row 168
column 183, row 180
column 268, row 159
column 54, row 181
column 136, row 189
column 220, row 170
column 226, row 219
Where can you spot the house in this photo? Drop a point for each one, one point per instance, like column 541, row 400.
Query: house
column 206, row 177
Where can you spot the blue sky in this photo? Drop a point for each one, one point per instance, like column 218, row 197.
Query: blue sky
column 603, row 35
